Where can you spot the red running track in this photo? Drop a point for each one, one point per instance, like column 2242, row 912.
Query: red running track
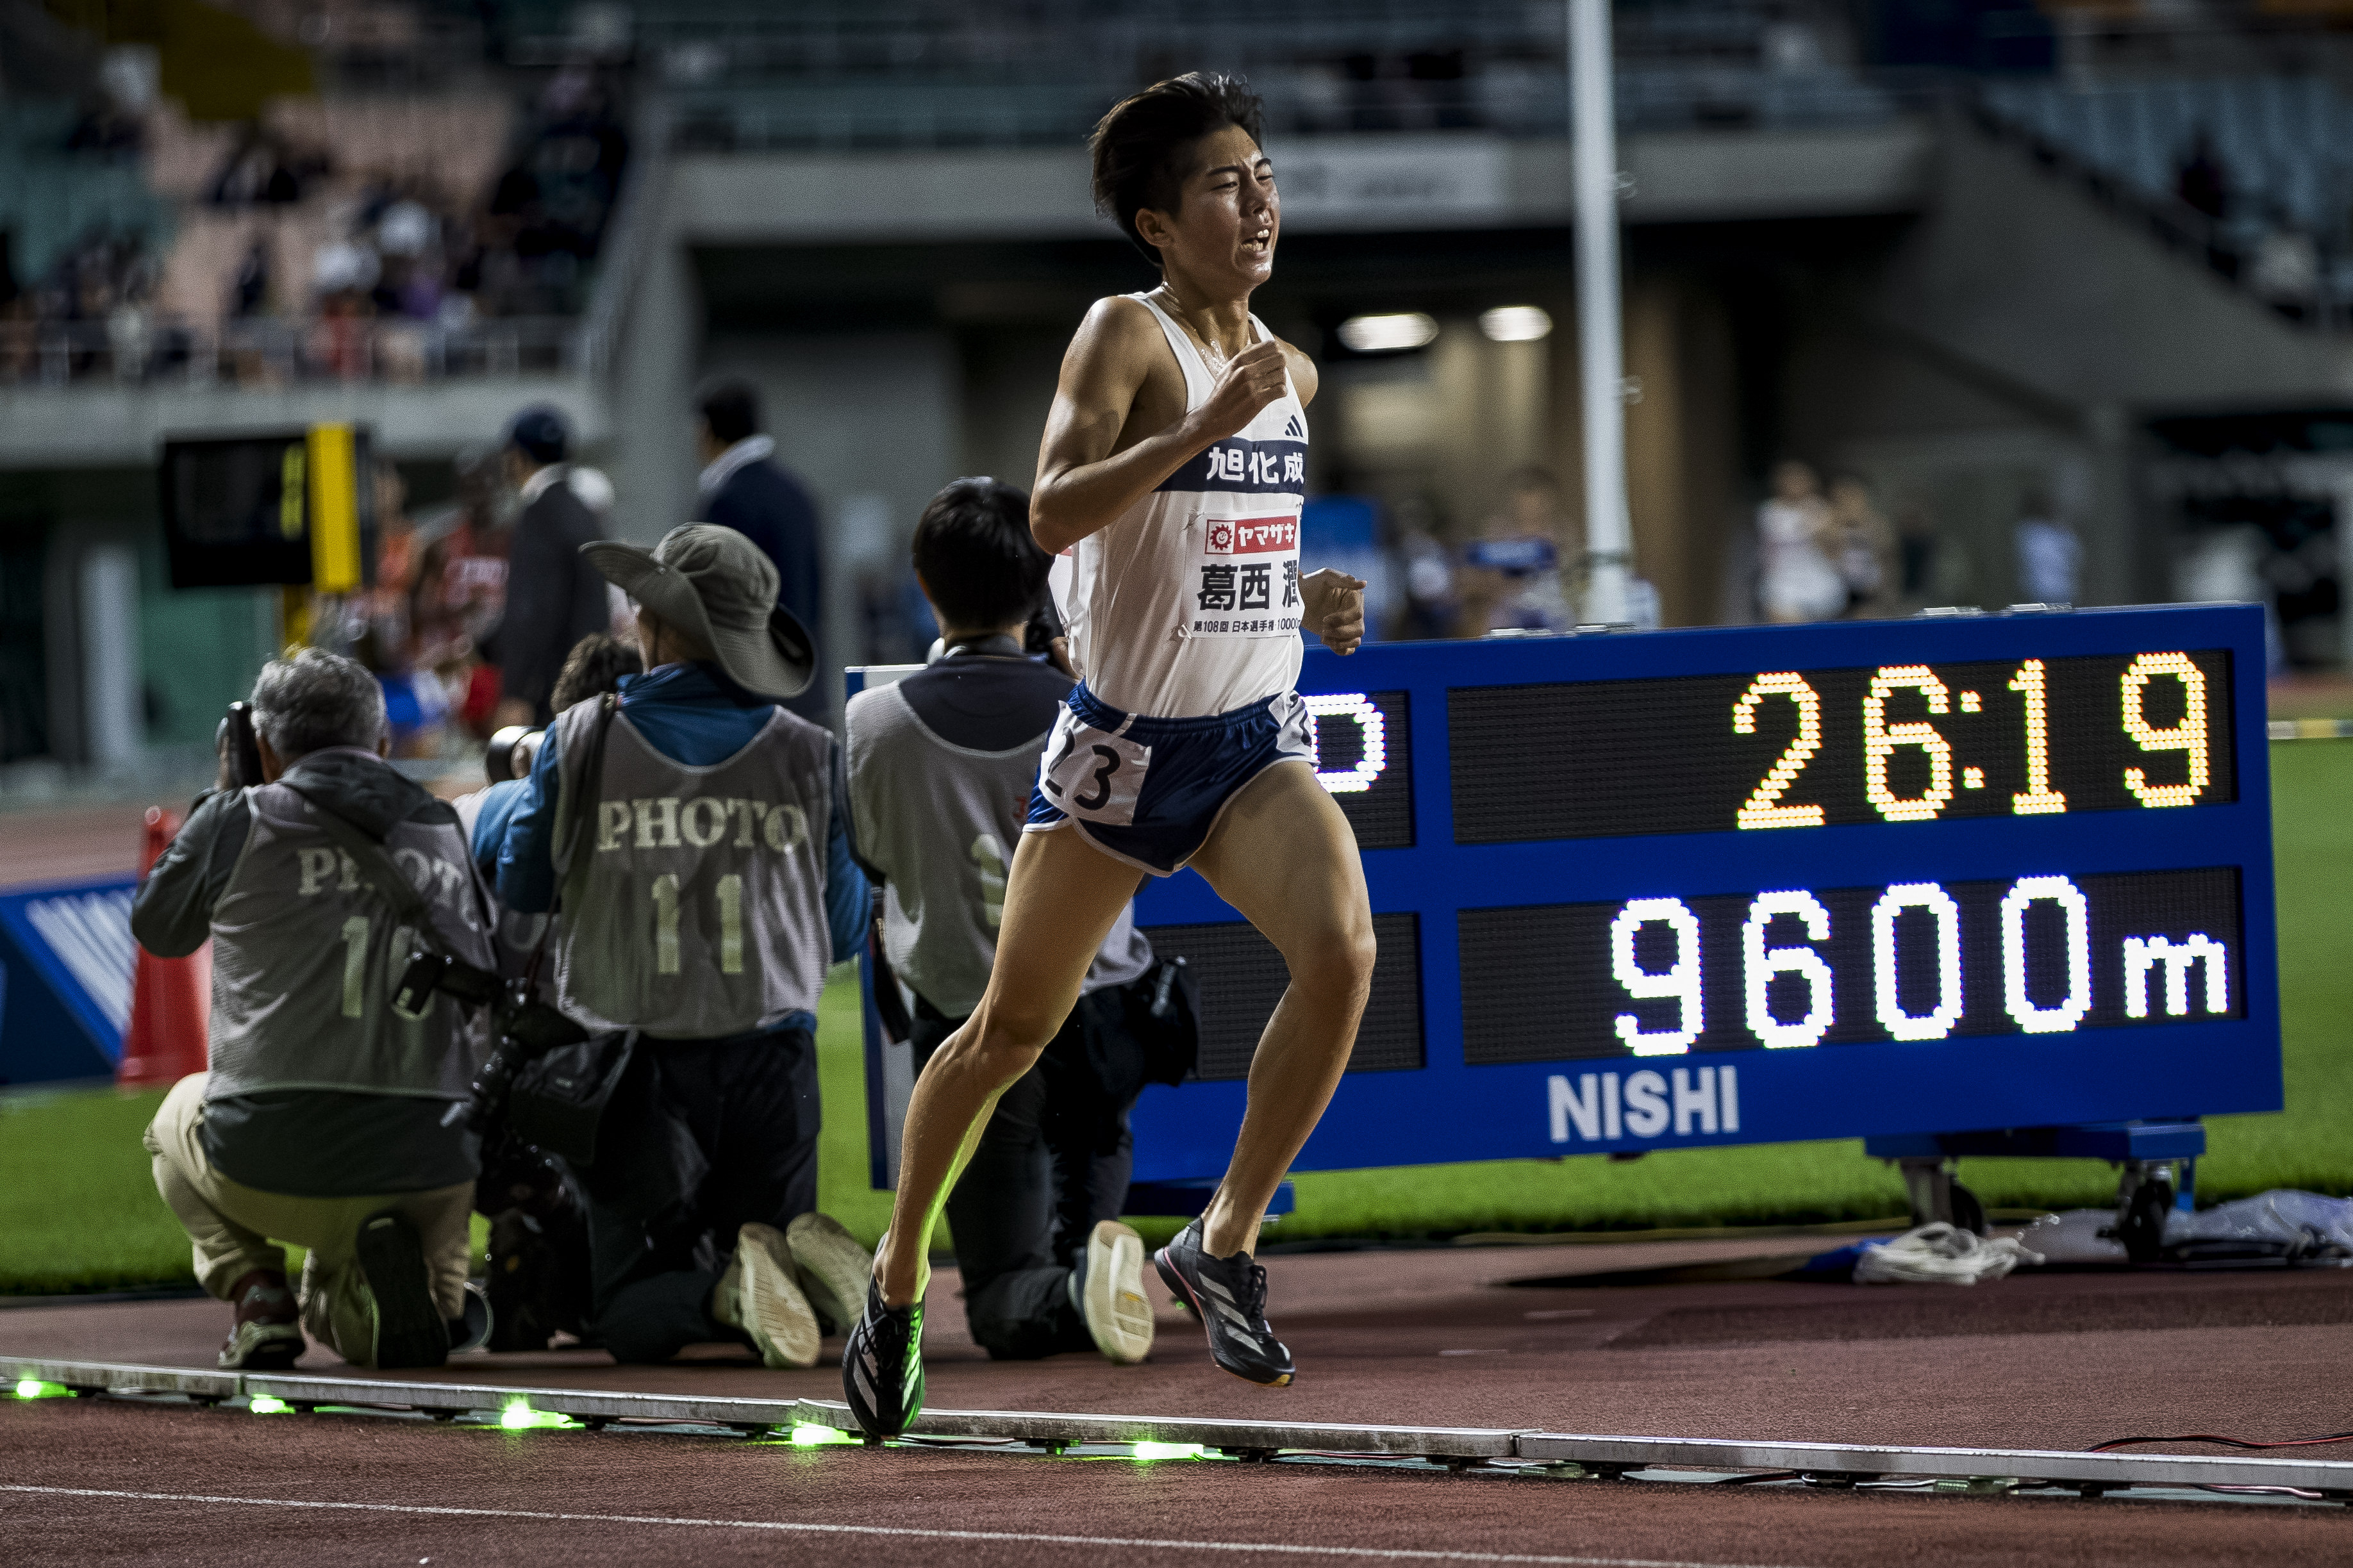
column 2032, row 1361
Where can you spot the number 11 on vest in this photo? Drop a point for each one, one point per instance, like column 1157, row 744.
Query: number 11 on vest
column 731, row 923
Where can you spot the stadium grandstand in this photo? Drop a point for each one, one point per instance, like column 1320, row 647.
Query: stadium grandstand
column 2002, row 264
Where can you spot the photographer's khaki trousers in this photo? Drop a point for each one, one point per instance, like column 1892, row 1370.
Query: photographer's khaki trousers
column 231, row 1224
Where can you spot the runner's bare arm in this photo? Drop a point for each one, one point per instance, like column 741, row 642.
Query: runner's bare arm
column 1085, row 479
column 1305, row 379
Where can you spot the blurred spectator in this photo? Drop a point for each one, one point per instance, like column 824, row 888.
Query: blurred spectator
column 459, row 590
column 113, row 118
column 596, row 491
column 2201, row 182
column 264, row 169
column 546, row 213
column 2050, row 556
column 416, row 703
column 2225, row 565
column 2198, row 179
column 1431, row 609
column 743, row 488
column 2285, row 270
column 400, row 272
column 1795, row 538
column 1866, row 548
column 553, row 597
column 343, row 274
column 249, row 286
column 103, row 280
column 107, row 127
column 594, row 488
column 1915, row 546
column 1512, row 577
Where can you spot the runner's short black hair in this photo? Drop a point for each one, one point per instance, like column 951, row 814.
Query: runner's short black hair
column 973, row 551
column 731, row 410
column 1137, row 145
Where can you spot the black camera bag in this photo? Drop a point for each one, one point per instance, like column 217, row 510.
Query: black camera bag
column 559, row 1097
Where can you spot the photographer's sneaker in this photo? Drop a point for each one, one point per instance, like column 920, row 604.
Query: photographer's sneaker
column 1228, row 1295
column 883, row 1366
column 471, row 1330
column 409, row 1329
column 268, row 1334
column 1118, row 1314
column 832, row 1267
column 759, row 1295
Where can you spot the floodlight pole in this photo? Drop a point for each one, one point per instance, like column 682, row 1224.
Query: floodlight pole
column 1593, row 125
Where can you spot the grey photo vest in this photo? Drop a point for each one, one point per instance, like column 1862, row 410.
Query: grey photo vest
column 941, row 823
column 693, row 897
column 306, row 957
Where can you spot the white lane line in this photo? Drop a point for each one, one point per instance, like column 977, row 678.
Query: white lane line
column 1385, row 1555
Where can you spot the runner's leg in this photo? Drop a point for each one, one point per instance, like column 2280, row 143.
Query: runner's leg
column 1285, row 857
column 1061, row 899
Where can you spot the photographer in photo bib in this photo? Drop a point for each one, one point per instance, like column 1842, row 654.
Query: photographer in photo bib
column 329, row 1119
column 691, row 836
column 941, row 767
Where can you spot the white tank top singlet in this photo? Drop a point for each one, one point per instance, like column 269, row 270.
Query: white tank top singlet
column 1188, row 603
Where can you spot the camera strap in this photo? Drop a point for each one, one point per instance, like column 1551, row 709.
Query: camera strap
column 467, row 982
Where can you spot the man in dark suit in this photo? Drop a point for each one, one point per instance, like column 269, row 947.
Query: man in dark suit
column 553, row 597
column 743, row 488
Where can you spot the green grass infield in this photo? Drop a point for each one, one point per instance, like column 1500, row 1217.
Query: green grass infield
column 78, row 1210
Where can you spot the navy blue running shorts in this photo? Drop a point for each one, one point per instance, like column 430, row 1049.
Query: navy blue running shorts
column 1148, row 791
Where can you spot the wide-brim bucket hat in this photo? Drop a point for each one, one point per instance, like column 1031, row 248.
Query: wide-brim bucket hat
column 718, row 588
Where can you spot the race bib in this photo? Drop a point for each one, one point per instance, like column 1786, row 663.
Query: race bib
column 1246, row 583
column 1093, row 774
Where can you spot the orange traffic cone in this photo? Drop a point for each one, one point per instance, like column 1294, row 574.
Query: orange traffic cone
column 170, row 997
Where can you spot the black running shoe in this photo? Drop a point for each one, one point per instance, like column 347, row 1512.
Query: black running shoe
column 409, row 1329
column 1228, row 1295
column 883, row 1366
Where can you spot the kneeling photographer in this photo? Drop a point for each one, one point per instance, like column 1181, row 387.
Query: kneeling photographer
column 328, row 1119
column 941, row 765
column 693, row 830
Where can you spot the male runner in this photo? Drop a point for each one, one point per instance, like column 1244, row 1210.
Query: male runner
column 1172, row 467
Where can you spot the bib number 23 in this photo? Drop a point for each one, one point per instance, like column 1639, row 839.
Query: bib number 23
column 1093, row 774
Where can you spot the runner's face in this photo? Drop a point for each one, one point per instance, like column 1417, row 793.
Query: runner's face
column 1223, row 234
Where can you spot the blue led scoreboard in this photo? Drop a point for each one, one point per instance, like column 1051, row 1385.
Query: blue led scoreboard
column 1948, row 875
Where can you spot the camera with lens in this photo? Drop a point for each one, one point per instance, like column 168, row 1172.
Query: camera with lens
column 510, row 752
column 234, row 744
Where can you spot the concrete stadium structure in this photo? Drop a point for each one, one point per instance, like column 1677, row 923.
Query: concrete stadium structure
column 1919, row 294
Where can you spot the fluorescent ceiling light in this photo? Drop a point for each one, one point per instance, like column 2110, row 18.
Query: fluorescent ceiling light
column 1378, row 334
column 1515, row 323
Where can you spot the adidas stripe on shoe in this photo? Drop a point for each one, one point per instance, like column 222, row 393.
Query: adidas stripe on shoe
column 883, row 1366
column 1228, row 1295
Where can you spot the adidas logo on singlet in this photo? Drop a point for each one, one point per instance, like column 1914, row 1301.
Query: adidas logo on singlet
column 1294, row 429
